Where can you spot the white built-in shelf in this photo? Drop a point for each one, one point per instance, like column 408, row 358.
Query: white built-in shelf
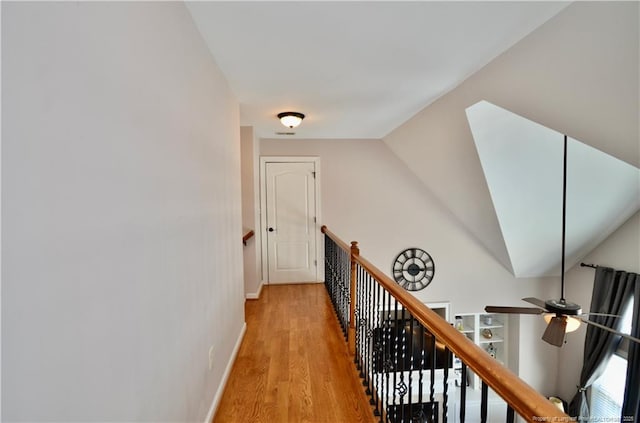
column 472, row 326
column 495, row 326
column 489, row 340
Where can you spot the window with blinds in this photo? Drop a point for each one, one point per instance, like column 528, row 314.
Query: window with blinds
column 607, row 393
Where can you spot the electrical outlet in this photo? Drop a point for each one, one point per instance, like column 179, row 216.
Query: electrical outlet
column 211, row 357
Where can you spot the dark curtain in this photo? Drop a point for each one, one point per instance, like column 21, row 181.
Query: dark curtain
column 611, row 291
column 631, row 404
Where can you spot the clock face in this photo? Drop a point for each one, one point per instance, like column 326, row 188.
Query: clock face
column 413, row 269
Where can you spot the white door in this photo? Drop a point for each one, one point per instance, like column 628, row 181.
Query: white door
column 290, row 221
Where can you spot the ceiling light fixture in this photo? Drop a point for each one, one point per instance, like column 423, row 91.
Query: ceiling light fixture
column 290, row 119
column 572, row 323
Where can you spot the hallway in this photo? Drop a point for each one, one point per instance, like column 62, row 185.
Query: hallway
column 293, row 365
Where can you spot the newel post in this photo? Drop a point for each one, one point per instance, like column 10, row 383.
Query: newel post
column 355, row 251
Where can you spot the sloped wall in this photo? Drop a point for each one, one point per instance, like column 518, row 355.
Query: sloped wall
column 121, row 214
column 577, row 74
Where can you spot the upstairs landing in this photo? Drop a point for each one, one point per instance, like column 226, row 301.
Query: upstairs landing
column 293, row 365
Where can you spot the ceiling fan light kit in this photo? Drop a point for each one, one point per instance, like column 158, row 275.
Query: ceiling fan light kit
column 556, row 329
column 573, row 323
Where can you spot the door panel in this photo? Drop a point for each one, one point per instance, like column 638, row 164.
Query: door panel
column 291, row 230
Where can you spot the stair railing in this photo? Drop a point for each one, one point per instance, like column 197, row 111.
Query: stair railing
column 405, row 351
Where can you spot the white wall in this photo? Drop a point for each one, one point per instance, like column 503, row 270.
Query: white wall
column 121, row 214
column 250, row 205
column 577, row 74
column 370, row 196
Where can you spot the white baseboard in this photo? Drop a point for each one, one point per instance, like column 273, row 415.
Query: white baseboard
column 225, row 376
column 255, row 295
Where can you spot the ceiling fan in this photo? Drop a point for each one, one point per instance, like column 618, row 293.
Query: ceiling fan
column 564, row 316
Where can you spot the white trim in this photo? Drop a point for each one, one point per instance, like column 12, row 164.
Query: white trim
column 295, row 283
column 257, row 212
column 255, row 295
column 263, row 207
column 225, row 376
column 446, row 305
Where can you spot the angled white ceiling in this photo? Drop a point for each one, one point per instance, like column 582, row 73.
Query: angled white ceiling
column 356, row 69
column 522, row 163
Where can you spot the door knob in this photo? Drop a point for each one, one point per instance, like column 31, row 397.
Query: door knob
column 271, row 229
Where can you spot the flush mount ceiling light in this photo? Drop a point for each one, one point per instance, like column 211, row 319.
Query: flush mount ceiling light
column 290, row 119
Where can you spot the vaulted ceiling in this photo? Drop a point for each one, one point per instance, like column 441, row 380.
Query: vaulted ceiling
column 522, row 163
column 363, row 69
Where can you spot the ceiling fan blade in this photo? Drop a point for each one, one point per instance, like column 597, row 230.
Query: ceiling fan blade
column 556, row 329
column 513, row 310
column 600, row 314
column 624, row 335
column 536, row 301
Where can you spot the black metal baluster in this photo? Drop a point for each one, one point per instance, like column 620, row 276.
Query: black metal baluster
column 421, row 367
column 327, row 260
column 327, row 264
column 401, row 388
column 432, row 381
column 388, row 363
column 334, row 278
column 333, row 260
column 372, row 348
column 463, row 391
column 338, row 293
column 363, row 312
column 346, row 299
column 411, row 367
column 396, row 329
column 510, row 414
column 338, row 288
column 360, row 281
column 335, row 270
column 366, row 310
column 330, row 260
column 383, row 358
column 344, row 292
column 483, row 402
column 445, row 387
column 336, row 283
column 378, row 352
column 367, row 328
column 347, row 292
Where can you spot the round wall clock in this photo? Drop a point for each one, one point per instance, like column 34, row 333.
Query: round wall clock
column 413, row 269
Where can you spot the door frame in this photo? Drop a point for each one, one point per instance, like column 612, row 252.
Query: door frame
column 263, row 211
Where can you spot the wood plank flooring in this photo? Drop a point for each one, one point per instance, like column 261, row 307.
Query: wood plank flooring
column 293, row 364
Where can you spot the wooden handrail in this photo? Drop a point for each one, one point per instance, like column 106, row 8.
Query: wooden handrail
column 335, row 238
column 248, row 234
column 525, row 400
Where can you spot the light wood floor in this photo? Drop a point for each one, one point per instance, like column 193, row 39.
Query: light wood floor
column 293, row 365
